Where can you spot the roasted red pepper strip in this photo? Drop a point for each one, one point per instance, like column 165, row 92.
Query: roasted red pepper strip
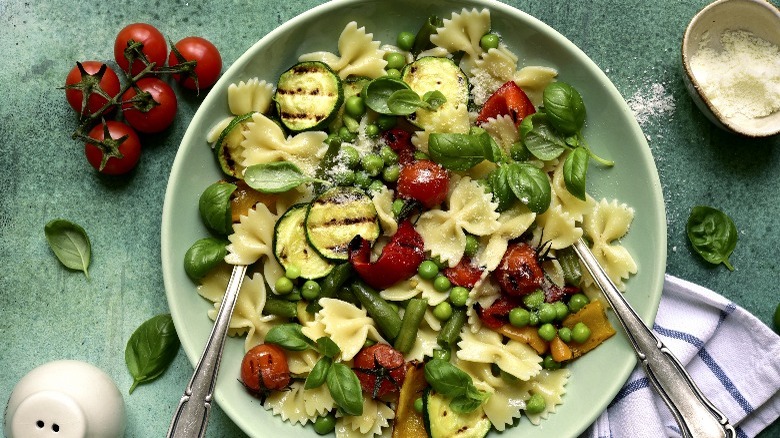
column 498, row 313
column 510, row 100
column 399, row 259
column 464, row 274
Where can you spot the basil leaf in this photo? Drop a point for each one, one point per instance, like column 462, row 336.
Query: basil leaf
column 531, row 186
column 318, row 374
column 276, row 177
column 151, row 349
column 377, row 93
column 575, row 169
column 446, row 379
column 404, row 102
column 464, row 405
column 345, row 389
column 434, row 99
column 203, row 256
column 712, row 234
column 327, row 347
column 70, row 244
column 290, row 337
column 564, row 107
column 214, row 207
column 502, row 192
column 540, row 138
column 458, row 151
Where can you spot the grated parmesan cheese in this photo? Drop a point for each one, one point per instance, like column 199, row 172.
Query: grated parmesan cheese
column 743, row 79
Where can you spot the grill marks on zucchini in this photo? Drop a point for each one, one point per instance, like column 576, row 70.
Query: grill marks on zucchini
column 336, row 217
column 308, row 96
column 430, row 74
column 291, row 247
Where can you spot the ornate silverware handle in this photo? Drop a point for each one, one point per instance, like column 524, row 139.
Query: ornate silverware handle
column 695, row 415
column 192, row 414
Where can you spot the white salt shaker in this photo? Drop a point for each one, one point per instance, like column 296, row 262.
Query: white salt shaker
column 65, row 399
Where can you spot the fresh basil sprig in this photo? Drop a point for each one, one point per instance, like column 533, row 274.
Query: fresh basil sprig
column 276, row 177
column 290, row 337
column 344, row 387
column 151, row 349
column 461, row 152
column 450, row 381
column 405, row 102
column 575, row 169
column 564, row 107
column 203, row 256
column 214, row 207
column 70, row 244
column 377, row 92
column 712, row 234
column 521, row 182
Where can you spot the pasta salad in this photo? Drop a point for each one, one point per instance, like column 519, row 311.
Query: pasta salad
column 408, row 212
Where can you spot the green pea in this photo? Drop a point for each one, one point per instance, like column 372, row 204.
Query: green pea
column 547, row 332
column 395, row 61
column 350, row 156
column 398, row 206
column 346, row 135
column 489, row 41
column 362, row 179
column 577, row 302
column 354, row 106
column 565, row 334
column 372, row 164
column 535, row 405
column 459, row 295
column 418, row 405
column 386, row 121
column 442, row 283
column 534, row 299
column 310, row 290
column 372, row 130
column 325, row 425
column 388, row 155
column 344, row 178
column 283, row 286
column 428, row 270
column 442, row 311
column 376, row 186
column 519, row 317
column 533, row 319
column 369, row 342
column 472, row 244
column 546, row 313
column 580, row 333
column 394, row 73
column 561, row 310
column 405, row 41
column 550, row 364
column 391, row 173
column 443, row 354
column 292, row 272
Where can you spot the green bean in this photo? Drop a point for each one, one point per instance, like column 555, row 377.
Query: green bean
column 415, row 311
column 422, row 41
column 335, row 279
column 570, row 264
column 387, row 319
column 451, row 330
column 275, row 306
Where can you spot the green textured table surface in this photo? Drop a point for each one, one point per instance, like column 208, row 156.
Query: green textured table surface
column 49, row 313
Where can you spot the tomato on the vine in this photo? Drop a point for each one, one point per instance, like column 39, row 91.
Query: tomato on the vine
column 264, row 368
column 145, row 115
column 381, row 370
column 154, row 47
column 121, row 152
column 208, row 62
column 86, row 78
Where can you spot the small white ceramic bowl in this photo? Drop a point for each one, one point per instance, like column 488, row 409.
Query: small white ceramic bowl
column 759, row 17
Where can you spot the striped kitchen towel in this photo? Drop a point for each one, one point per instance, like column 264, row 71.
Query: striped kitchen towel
column 732, row 356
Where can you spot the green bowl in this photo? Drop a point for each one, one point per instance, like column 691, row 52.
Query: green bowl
column 611, row 131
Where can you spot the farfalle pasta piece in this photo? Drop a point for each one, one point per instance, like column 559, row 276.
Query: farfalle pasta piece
column 463, row 31
column 607, row 223
column 359, row 54
column 247, row 316
column 346, row 325
column 265, row 142
column 551, row 385
column 494, row 68
column 253, row 95
column 470, row 210
column 298, row 405
column 575, row 206
column 485, row 292
column 486, row 346
column 503, row 130
column 533, row 79
column 557, row 228
column 424, row 344
column 383, row 202
column 375, row 418
column 507, row 399
column 302, row 362
column 252, row 237
column 414, row 286
column 513, row 223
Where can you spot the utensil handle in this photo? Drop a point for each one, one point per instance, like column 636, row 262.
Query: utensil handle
column 696, row 416
column 191, row 416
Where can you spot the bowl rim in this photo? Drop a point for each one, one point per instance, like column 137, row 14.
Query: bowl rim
column 685, row 48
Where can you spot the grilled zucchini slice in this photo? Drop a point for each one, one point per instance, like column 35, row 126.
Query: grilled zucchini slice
column 308, row 96
column 430, row 73
column 291, row 247
column 443, row 422
column 336, row 217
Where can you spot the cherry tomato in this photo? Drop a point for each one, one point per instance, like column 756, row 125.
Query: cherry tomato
column 424, row 181
column 519, row 272
column 264, row 368
column 158, row 116
column 209, row 62
column 381, row 370
column 75, row 85
column 129, row 148
column 154, row 46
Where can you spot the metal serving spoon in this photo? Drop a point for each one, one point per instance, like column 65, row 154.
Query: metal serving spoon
column 696, row 416
column 192, row 414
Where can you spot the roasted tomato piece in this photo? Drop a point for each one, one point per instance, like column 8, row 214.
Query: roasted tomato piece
column 400, row 141
column 424, row 181
column 519, row 272
column 509, row 100
column 264, row 368
column 381, row 370
column 464, row 274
